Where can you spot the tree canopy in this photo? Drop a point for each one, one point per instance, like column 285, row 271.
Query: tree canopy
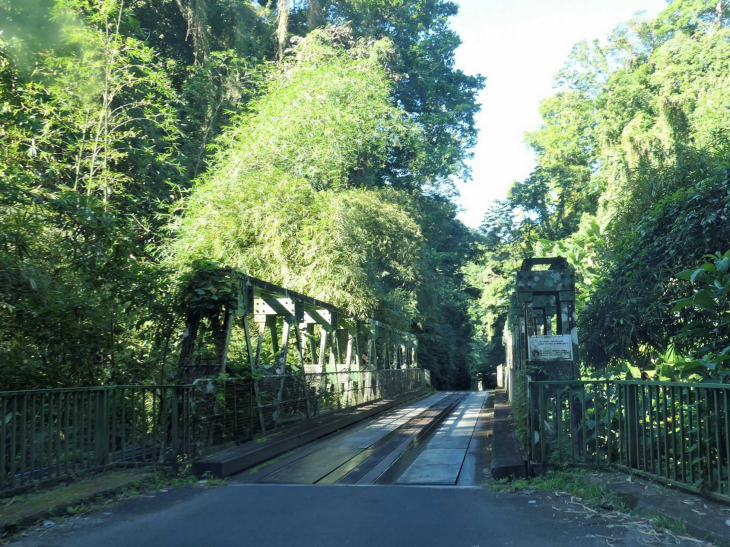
column 313, row 144
column 630, row 184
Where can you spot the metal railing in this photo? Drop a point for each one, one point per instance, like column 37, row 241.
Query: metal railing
column 235, row 410
column 677, row 432
column 53, row 434
column 56, row 433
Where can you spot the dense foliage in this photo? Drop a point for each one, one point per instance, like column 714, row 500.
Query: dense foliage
column 631, row 185
column 313, row 144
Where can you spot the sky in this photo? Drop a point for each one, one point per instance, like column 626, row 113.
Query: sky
column 519, row 45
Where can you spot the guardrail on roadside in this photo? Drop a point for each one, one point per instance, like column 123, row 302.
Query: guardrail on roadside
column 677, row 432
column 54, row 434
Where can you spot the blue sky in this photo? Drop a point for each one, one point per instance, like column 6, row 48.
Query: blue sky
column 519, row 45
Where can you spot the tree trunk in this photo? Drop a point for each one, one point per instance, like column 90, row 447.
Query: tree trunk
column 194, row 15
column 314, row 15
column 282, row 26
column 720, row 10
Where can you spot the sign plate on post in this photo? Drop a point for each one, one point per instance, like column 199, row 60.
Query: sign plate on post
column 551, row 348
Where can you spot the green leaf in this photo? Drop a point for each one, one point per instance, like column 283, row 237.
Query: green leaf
column 681, row 304
column 723, row 265
column 685, row 274
column 692, row 367
column 705, row 299
column 698, row 272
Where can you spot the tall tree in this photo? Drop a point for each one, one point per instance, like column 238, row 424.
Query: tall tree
column 123, row 118
column 632, row 157
column 282, row 25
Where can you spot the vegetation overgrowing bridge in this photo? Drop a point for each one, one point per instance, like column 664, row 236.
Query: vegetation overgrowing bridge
column 224, row 304
column 52, row 434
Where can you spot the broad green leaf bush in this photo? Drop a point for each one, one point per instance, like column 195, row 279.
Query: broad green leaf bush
column 706, row 334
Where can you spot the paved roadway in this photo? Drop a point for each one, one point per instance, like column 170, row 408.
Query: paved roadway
column 395, row 480
column 322, row 516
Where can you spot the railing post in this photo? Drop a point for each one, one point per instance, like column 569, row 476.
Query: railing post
column 94, row 431
column 530, row 423
column 18, row 419
column 46, row 431
column 3, row 439
column 621, row 435
column 726, row 397
column 609, row 423
column 631, row 427
column 175, row 425
column 572, row 423
column 558, row 421
column 541, row 422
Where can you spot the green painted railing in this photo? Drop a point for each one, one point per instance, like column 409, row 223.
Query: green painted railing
column 677, row 432
column 54, row 434
column 238, row 409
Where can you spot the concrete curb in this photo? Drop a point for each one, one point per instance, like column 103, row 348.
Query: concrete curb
column 35, row 506
column 507, row 458
column 243, row 457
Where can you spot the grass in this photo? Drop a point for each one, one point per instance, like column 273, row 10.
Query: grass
column 675, row 526
column 577, row 483
column 165, row 479
column 574, row 482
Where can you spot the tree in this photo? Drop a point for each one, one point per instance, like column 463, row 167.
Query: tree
column 631, row 162
column 441, row 99
column 273, row 138
column 327, row 113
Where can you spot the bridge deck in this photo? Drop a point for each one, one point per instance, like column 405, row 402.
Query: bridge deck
column 442, row 459
column 421, row 443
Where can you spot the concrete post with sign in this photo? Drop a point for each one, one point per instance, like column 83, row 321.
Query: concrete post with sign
column 541, row 336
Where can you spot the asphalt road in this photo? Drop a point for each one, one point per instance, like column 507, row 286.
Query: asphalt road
column 332, row 515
